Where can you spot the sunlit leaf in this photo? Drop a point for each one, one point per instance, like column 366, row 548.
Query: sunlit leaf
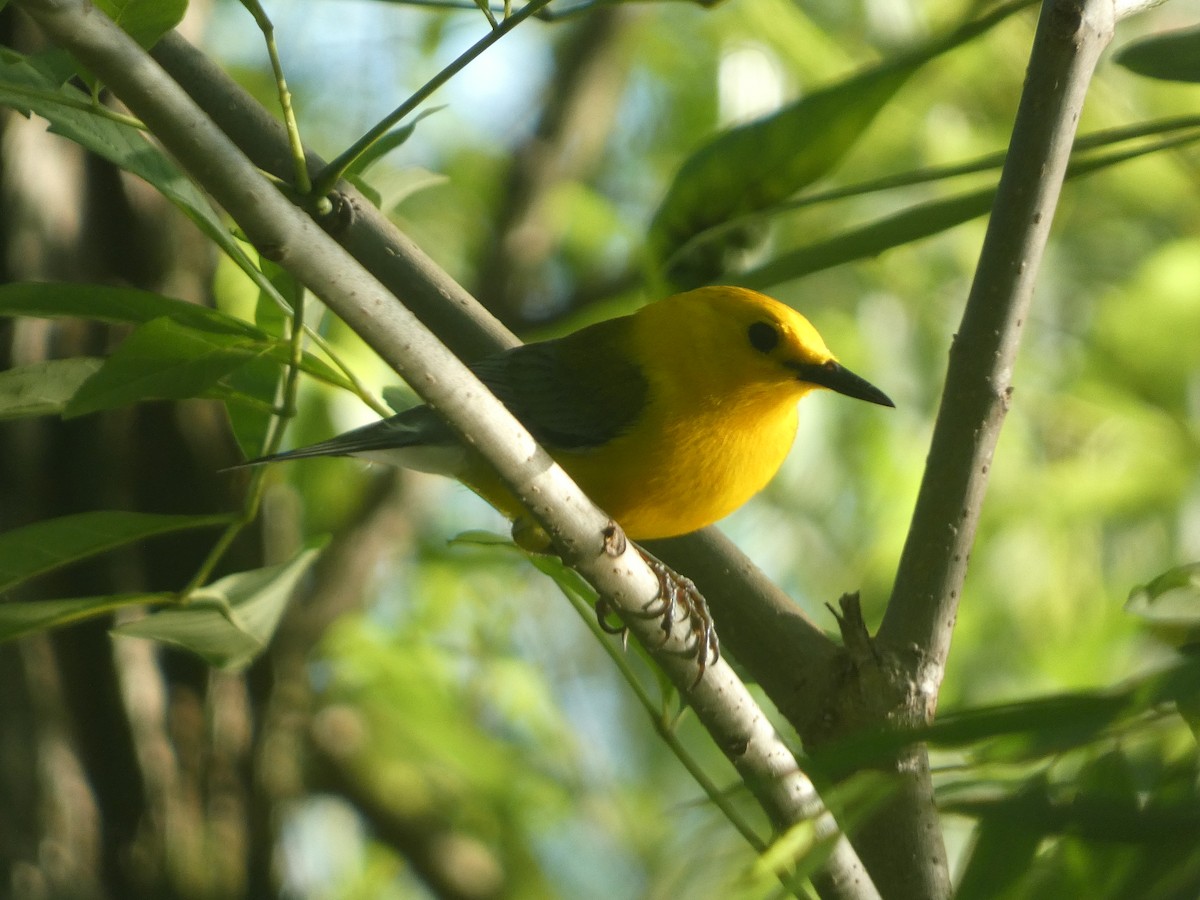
column 1004, row 845
column 790, row 149
column 43, row 388
column 29, row 617
column 144, row 20
column 104, row 303
column 757, row 165
column 1170, row 604
column 1174, row 56
column 164, row 360
column 25, row 88
column 34, row 549
column 229, row 622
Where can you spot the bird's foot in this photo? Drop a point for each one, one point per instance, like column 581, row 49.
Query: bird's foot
column 679, row 593
column 675, row 593
column 615, row 543
column 603, row 611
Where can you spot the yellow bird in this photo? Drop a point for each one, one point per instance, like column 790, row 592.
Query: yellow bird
column 669, row 418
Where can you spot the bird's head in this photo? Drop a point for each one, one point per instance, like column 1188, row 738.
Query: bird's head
column 746, row 338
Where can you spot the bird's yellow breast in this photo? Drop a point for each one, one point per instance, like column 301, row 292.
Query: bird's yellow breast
column 674, row 474
column 717, row 424
column 715, row 419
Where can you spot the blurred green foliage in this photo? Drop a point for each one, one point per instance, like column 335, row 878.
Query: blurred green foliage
column 1094, row 487
column 467, row 698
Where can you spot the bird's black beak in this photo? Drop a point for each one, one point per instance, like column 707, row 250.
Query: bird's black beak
column 833, row 375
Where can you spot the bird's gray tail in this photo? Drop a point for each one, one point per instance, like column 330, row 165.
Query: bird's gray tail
column 409, row 428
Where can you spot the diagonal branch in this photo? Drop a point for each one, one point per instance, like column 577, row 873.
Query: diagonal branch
column 914, row 638
column 918, row 623
column 581, row 532
column 784, row 651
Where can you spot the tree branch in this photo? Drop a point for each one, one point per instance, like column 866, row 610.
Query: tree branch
column 784, row 651
column 284, row 233
column 904, row 838
column 918, row 623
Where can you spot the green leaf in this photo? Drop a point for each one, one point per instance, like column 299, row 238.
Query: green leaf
column 478, row 537
column 1174, row 56
column 268, row 314
column 921, row 221
column 72, row 115
column 43, row 546
column 43, row 389
column 1170, row 605
column 144, row 20
column 49, row 300
column 20, row 619
column 167, row 361
column 251, row 422
column 231, row 621
column 368, row 190
column 400, row 397
column 1005, row 844
column 389, row 142
column 281, row 353
column 115, row 304
column 872, row 239
column 56, row 64
column 790, row 149
column 1022, row 731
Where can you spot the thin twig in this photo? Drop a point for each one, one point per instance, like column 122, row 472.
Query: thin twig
column 257, row 486
column 332, row 173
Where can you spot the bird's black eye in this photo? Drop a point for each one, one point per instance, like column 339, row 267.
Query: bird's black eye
column 763, row 337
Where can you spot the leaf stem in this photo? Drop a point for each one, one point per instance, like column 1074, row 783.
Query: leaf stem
column 328, row 177
column 299, row 165
column 75, row 100
column 257, row 486
column 925, row 175
column 663, row 724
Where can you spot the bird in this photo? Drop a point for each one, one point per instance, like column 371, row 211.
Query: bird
column 669, row 418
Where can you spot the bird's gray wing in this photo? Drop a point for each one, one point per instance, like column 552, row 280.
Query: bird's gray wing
column 573, row 393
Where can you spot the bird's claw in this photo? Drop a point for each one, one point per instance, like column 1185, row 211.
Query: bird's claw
column 603, row 609
column 677, row 592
